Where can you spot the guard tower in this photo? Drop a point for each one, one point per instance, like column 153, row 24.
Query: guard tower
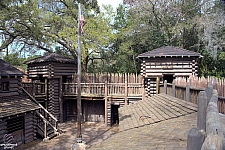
column 48, row 73
column 167, row 63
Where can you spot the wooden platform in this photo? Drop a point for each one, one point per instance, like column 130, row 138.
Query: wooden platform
column 152, row 110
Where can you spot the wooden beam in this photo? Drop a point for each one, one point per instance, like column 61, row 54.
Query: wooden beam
column 106, row 103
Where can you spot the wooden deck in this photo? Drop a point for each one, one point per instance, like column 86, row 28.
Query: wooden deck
column 152, row 110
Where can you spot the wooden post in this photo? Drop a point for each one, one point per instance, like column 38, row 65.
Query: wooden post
column 165, row 86
column 209, row 91
column 173, row 89
column 106, row 103
column 126, row 92
column 157, row 85
column 46, row 95
column 60, row 100
column 45, row 130
column 202, row 105
column 143, row 88
column 214, row 129
column 34, row 89
column 188, row 92
column 195, row 139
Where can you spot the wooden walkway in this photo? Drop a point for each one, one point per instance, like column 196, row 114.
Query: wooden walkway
column 152, row 110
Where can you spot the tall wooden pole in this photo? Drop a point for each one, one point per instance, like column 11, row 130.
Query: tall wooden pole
column 79, row 136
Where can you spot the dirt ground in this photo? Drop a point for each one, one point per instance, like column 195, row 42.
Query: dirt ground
column 92, row 133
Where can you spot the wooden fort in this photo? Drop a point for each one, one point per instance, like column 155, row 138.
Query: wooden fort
column 48, row 73
column 17, row 113
column 53, row 87
column 167, row 63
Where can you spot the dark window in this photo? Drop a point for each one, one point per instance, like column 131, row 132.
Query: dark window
column 4, row 86
column 15, row 124
column 169, row 78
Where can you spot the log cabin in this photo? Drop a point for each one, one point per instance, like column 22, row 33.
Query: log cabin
column 167, row 63
column 17, row 113
column 48, row 73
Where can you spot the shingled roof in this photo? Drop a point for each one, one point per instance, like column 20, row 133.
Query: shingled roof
column 53, row 57
column 169, row 51
column 12, row 105
column 8, row 70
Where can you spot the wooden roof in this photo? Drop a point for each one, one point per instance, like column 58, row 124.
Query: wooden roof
column 8, row 70
column 53, row 57
column 170, row 51
column 13, row 105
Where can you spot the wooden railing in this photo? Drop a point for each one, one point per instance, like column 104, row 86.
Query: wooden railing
column 35, row 89
column 118, row 89
column 186, row 93
column 47, row 118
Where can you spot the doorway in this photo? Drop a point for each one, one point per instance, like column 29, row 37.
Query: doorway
column 168, row 77
column 114, row 114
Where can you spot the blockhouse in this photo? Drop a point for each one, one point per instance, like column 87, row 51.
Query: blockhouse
column 166, row 63
column 51, row 71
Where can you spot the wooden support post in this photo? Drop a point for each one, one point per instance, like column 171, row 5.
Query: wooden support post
column 34, row 89
column 209, row 91
column 106, row 103
column 60, row 100
column 202, row 105
column 165, row 86
column 45, row 130
column 126, row 93
column 188, row 92
column 143, row 88
column 195, row 139
column 157, row 85
column 173, row 89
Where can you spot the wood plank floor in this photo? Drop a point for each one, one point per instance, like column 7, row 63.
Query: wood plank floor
column 152, row 110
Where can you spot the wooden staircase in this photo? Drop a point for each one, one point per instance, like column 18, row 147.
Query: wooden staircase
column 47, row 124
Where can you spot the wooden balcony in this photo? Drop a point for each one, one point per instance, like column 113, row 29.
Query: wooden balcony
column 98, row 89
column 39, row 90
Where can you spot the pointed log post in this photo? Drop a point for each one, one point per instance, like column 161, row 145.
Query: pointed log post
column 188, row 92
column 165, row 86
column 202, row 105
column 106, row 103
column 173, row 89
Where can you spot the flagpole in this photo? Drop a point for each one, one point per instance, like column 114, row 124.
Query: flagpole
column 79, row 136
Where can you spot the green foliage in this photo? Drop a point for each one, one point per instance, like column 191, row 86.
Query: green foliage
column 112, row 40
column 17, row 61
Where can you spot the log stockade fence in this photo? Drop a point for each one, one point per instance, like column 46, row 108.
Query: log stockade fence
column 200, row 84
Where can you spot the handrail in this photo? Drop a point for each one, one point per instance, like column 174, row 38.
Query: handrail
column 46, row 121
column 39, row 104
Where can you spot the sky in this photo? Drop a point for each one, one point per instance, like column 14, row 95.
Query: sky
column 114, row 3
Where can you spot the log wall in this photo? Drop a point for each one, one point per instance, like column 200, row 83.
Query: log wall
column 51, row 69
column 53, row 97
column 21, row 128
column 30, row 127
column 14, row 84
column 176, row 66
